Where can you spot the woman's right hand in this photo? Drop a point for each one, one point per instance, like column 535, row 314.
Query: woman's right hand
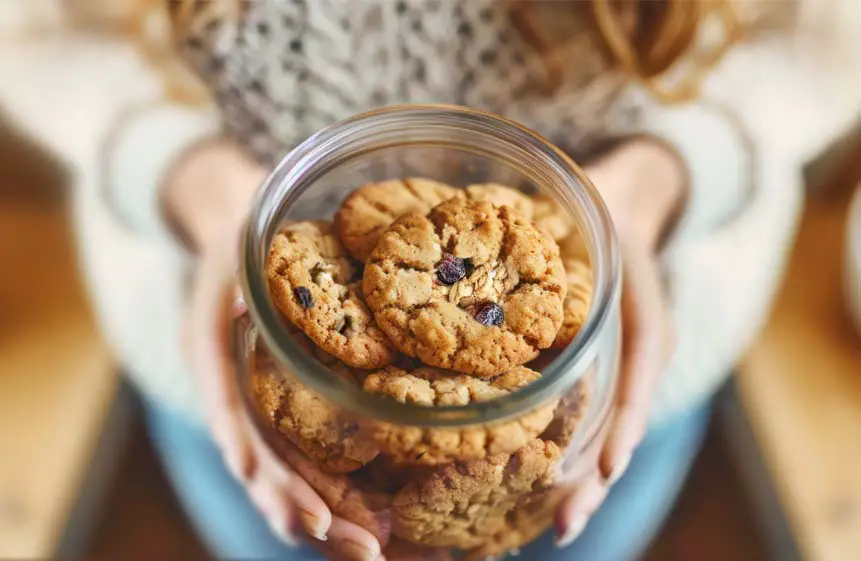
column 287, row 502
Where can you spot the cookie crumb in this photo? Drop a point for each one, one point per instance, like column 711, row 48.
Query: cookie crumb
column 309, row 275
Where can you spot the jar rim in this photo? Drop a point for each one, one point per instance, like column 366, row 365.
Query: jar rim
column 557, row 377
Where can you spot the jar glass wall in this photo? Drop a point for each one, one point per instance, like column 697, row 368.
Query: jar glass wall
column 481, row 477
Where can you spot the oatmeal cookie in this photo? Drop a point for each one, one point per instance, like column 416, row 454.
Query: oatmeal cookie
column 574, row 247
column 501, row 195
column 470, row 287
column 313, row 283
column 541, row 210
column 549, row 217
column 311, row 423
column 402, row 550
column 570, row 413
column 385, row 475
column 577, row 301
column 429, row 387
column 466, row 503
column 370, row 209
column 316, row 352
column 531, row 518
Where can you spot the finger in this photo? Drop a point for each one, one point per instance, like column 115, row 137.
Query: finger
column 232, row 441
column 295, row 500
column 645, row 331
column 342, row 495
column 208, row 324
column 574, row 512
column 238, row 307
column 281, row 519
column 350, row 542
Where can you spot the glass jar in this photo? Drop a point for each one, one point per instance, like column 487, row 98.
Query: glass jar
column 316, row 416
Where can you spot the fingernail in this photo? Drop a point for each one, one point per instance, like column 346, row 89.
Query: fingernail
column 574, row 530
column 514, row 552
column 357, row 551
column 619, row 470
column 314, row 526
column 238, row 306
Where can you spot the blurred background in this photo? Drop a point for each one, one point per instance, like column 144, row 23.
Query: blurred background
column 778, row 478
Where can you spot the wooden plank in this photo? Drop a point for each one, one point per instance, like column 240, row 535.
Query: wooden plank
column 57, row 380
column 800, row 387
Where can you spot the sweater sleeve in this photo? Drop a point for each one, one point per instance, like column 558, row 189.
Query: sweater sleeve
column 135, row 266
column 134, row 273
column 139, row 150
column 778, row 110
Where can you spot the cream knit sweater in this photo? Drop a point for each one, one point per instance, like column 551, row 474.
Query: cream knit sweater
column 786, row 104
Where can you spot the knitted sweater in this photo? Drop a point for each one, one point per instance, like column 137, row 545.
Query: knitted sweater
column 292, row 67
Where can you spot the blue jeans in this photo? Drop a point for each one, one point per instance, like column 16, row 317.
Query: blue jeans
column 621, row 530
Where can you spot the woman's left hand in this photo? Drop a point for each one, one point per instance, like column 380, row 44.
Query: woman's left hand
column 642, row 184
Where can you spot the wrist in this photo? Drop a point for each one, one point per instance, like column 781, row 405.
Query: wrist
column 644, row 184
column 209, row 189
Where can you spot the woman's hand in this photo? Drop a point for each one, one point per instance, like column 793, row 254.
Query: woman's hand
column 287, row 502
column 643, row 184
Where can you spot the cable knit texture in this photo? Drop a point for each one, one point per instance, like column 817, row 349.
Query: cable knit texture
column 285, row 69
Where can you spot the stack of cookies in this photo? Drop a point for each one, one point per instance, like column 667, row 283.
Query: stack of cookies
column 434, row 296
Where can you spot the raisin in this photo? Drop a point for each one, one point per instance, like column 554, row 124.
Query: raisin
column 489, row 313
column 450, row 269
column 303, row 295
column 358, row 269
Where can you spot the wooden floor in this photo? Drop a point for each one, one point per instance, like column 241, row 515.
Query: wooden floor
column 142, row 520
column 711, row 522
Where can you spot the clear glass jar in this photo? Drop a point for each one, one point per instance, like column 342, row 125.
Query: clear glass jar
column 478, row 506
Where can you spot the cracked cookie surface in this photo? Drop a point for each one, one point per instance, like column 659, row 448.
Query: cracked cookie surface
column 501, row 195
column 539, row 209
column 532, row 517
column 470, row 287
column 464, row 504
column 429, row 387
column 577, row 301
column 335, row 442
column 549, row 217
column 313, row 282
column 371, row 208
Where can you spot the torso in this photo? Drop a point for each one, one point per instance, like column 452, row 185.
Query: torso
column 285, row 69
